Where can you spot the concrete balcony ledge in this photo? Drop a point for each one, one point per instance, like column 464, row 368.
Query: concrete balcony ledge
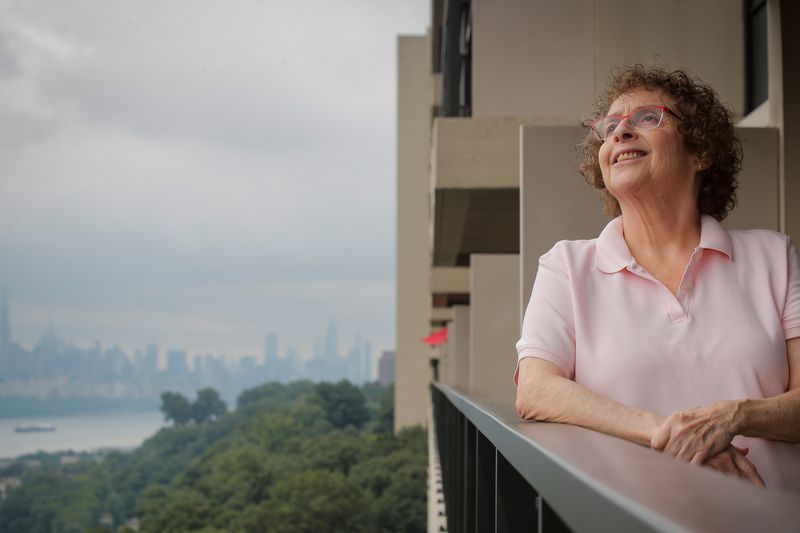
column 480, row 152
column 582, row 480
column 449, row 279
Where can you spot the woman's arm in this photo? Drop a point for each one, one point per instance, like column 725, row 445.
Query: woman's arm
column 544, row 393
column 776, row 418
column 697, row 434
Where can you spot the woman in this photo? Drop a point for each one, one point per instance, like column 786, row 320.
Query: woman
column 668, row 330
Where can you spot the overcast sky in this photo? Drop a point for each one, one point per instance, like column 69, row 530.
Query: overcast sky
column 198, row 173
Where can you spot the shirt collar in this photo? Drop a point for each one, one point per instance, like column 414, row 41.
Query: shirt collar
column 714, row 237
column 613, row 255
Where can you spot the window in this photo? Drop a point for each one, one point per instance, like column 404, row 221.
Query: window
column 755, row 24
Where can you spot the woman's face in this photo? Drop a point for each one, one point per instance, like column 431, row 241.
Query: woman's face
column 655, row 162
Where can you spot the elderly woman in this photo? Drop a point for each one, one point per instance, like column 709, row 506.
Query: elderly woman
column 669, row 330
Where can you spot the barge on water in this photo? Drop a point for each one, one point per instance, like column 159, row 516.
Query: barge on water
column 34, row 428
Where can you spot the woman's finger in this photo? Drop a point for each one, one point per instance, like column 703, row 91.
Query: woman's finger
column 747, row 469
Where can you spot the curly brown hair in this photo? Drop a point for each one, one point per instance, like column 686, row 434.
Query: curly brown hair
column 706, row 125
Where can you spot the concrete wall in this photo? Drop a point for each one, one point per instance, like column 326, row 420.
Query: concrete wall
column 549, row 58
column 758, row 196
column 412, row 369
column 705, row 37
column 494, row 326
column 450, row 279
column 532, row 58
column 474, row 152
column 557, row 203
column 459, row 337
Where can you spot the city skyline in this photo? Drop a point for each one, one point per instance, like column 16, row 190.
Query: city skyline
column 55, row 369
column 270, row 340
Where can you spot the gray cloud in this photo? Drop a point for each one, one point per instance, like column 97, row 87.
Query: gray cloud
column 197, row 175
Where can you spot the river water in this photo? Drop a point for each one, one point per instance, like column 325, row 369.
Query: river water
column 84, row 432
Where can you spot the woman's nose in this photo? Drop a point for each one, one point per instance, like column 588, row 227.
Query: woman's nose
column 624, row 130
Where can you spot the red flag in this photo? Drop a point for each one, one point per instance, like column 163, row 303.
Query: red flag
column 437, row 337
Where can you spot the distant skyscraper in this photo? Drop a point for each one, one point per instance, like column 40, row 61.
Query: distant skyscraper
column 247, row 364
column 5, row 335
column 293, row 363
column 332, row 341
column 176, row 363
column 386, row 368
column 49, row 342
column 271, row 347
column 367, row 364
column 317, row 352
column 151, row 359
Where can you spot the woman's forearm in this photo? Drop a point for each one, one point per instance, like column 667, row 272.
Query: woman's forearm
column 544, row 394
column 776, row 418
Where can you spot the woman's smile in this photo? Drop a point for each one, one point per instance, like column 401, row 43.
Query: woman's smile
column 629, row 156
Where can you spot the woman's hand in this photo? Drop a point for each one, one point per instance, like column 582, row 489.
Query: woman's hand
column 698, row 434
column 732, row 461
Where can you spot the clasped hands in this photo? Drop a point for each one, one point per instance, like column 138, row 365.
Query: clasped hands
column 703, row 436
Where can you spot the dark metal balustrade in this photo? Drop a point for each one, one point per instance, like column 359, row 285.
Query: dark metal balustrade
column 504, row 474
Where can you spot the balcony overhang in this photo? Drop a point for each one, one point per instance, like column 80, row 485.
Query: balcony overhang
column 473, row 221
column 449, row 279
column 474, row 188
column 469, row 153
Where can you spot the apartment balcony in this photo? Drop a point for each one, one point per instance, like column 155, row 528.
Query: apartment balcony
column 475, row 188
column 500, row 473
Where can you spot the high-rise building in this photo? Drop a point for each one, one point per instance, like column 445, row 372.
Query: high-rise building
column 176, row 363
column 271, row 347
column 293, row 364
column 5, row 335
column 367, row 362
column 272, row 363
column 386, row 367
column 487, row 126
column 151, row 359
column 332, row 341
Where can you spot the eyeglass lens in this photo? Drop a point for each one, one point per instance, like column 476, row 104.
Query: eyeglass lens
column 645, row 118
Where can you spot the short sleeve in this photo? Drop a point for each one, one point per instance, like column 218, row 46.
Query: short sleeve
column 548, row 328
column 791, row 309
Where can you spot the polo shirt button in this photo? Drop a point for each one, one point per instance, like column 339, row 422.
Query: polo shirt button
column 688, row 287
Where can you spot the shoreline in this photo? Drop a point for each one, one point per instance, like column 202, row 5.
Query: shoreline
column 80, row 433
column 92, row 453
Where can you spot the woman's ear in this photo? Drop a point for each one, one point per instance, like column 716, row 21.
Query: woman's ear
column 702, row 162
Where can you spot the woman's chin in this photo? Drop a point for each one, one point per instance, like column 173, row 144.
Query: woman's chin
column 624, row 183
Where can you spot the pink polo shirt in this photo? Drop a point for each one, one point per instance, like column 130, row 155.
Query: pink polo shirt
column 612, row 327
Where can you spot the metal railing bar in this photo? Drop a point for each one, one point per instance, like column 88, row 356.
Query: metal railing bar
column 622, row 496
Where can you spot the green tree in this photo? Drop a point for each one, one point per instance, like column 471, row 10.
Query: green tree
column 176, row 407
column 51, row 501
column 298, row 457
column 174, row 510
column 208, row 406
column 384, row 413
column 338, row 451
column 274, row 395
column 312, row 500
column 344, row 403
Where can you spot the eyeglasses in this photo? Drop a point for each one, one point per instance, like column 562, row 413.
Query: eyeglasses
column 643, row 118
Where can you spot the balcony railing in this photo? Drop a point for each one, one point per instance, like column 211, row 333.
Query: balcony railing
column 501, row 473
